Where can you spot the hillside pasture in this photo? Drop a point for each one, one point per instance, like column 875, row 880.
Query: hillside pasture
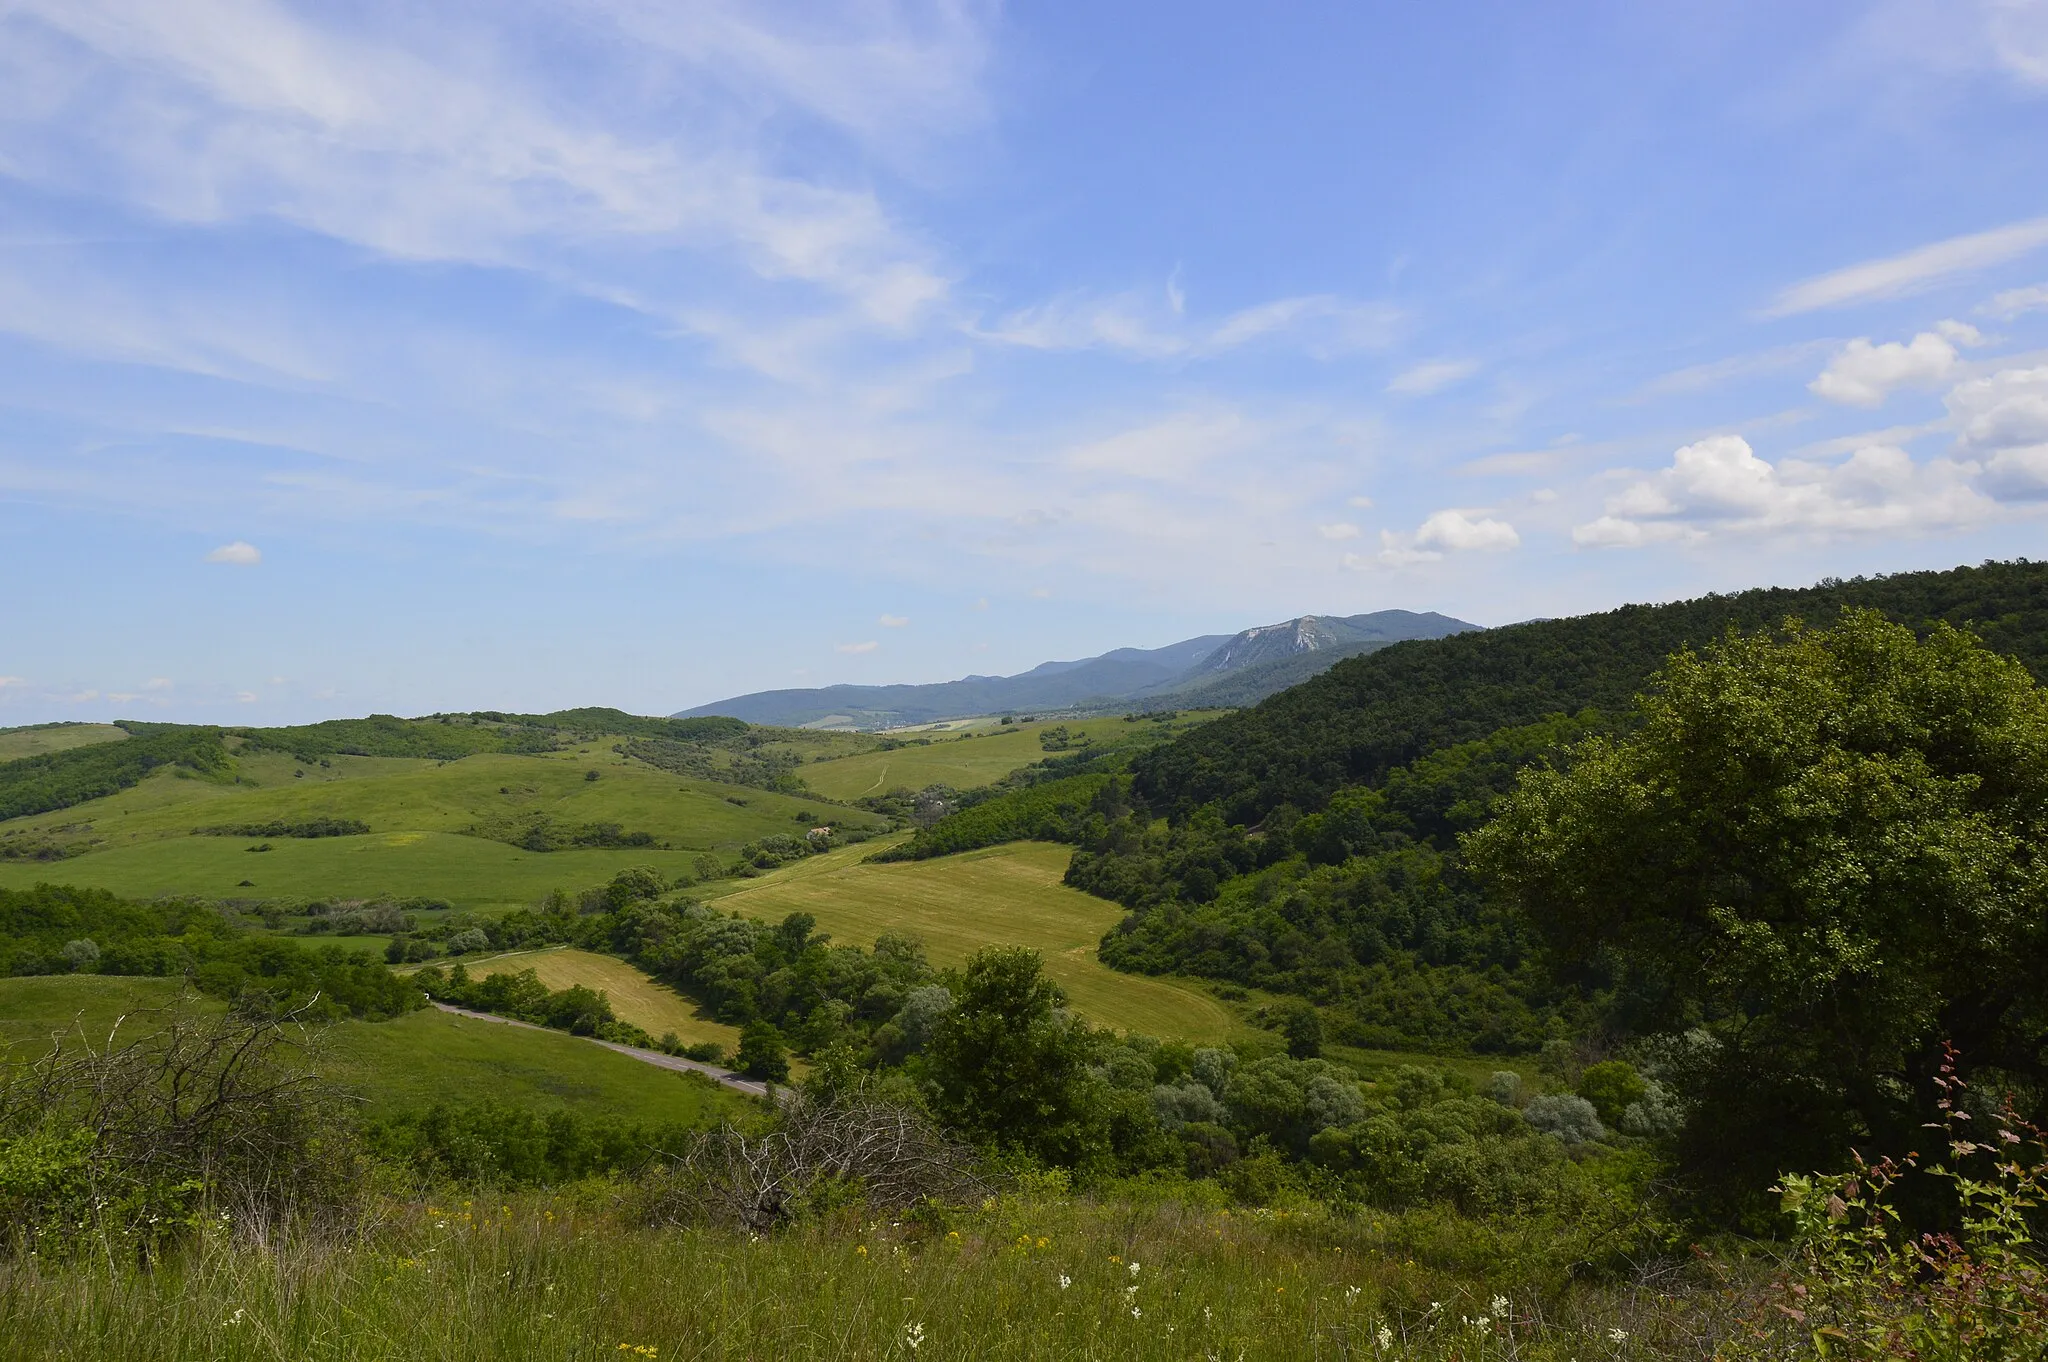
column 142, row 844
column 16, row 743
column 409, row 1063
column 1006, row 895
column 644, row 1002
column 986, row 752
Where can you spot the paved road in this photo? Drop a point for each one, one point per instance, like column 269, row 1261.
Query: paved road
column 654, row 1057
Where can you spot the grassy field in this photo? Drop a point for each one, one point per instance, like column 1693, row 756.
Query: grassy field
column 143, row 844
column 1030, row 1279
column 16, row 743
column 647, row 1003
column 986, row 751
column 433, row 1056
column 958, row 904
column 414, row 1061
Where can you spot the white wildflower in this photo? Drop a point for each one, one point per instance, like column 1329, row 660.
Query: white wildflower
column 1065, row 1281
column 1618, row 1335
column 913, row 1336
column 1385, row 1337
column 1135, row 1312
column 1134, row 1269
column 1500, row 1306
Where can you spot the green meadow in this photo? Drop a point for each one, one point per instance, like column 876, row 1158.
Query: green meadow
column 16, row 743
column 636, row 999
column 973, row 753
column 141, row 841
column 1009, row 894
column 411, row 1062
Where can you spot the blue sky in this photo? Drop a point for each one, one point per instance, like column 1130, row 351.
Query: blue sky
column 376, row 356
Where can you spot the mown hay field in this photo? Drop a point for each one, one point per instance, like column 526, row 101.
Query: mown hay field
column 645, row 1002
column 1007, row 895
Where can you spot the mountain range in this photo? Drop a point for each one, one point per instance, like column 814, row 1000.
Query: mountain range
column 1213, row 670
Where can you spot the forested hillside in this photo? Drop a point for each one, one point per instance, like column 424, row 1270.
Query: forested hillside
column 1366, row 716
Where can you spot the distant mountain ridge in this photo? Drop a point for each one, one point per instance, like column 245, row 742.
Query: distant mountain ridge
column 1212, row 669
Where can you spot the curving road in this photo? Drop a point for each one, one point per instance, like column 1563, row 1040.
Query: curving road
column 654, row 1057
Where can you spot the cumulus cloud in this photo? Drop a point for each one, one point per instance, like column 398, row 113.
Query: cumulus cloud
column 1340, row 530
column 1912, row 270
column 867, row 647
column 237, row 554
column 2002, row 424
column 1433, row 376
column 894, row 621
column 1719, row 486
column 1446, row 531
column 1863, row 375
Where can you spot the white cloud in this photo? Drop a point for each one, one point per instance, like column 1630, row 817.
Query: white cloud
column 1446, row 531
column 1719, row 486
column 1863, row 375
column 1704, row 377
column 894, row 621
column 2015, row 301
column 437, row 139
column 238, row 554
column 981, row 602
column 1340, row 530
column 1914, row 269
column 1320, row 324
column 245, row 697
column 157, row 683
column 7, row 681
column 1361, row 503
column 2002, row 423
column 1433, row 376
column 867, row 647
column 1041, row 593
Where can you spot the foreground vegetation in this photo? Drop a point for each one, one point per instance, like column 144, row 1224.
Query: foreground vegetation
column 1030, row 1276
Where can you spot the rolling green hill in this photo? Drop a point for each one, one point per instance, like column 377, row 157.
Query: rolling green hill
column 979, row 752
column 37, row 739
column 457, row 830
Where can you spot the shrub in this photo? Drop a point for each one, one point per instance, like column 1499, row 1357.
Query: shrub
column 1612, row 1086
column 473, row 939
column 1571, row 1119
column 130, row 1143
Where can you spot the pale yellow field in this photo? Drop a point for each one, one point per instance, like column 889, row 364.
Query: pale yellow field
column 647, row 1003
column 1008, row 895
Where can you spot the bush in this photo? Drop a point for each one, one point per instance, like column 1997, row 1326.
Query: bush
column 1571, row 1119
column 130, row 1144
column 1612, row 1086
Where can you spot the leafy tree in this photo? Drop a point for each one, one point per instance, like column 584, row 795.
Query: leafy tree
column 1828, row 846
column 1008, row 1064
column 762, row 1054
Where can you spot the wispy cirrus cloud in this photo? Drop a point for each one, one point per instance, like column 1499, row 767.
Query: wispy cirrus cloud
column 1911, row 270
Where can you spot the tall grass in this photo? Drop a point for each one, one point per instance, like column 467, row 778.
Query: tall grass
column 572, row 1277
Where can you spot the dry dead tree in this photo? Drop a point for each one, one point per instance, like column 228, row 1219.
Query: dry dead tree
column 887, row 1157
column 219, row 1111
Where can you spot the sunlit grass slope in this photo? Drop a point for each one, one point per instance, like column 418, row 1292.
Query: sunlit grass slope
column 414, row 1061
column 985, row 753
column 1008, row 895
column 143, row 844
column 647, row 1003
column 433, row 1056
column 16, row 743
